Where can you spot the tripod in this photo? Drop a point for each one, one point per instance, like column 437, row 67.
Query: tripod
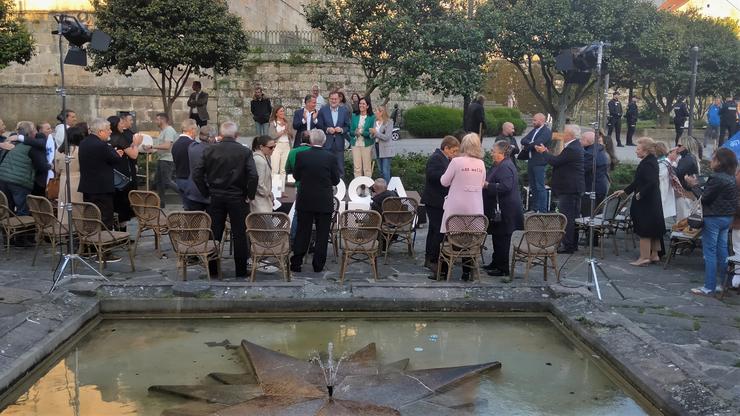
column 590, row 262
column 69, row 259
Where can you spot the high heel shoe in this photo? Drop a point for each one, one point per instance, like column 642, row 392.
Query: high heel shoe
column 641, row 263
column 655, row 260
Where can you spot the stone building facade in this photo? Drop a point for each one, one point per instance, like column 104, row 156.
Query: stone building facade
column 30, row 91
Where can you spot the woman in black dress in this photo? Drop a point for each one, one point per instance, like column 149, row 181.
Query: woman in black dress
column 647, row 207
column 502, row 186
column 123, row 139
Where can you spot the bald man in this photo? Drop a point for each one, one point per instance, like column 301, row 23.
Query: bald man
column 507, row 134
column 540, row 135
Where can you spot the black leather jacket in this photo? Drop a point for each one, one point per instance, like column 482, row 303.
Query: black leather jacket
column 719, row 195
column 226, row 171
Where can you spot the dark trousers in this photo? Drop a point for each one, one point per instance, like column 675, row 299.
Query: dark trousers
column 434, row 237
column 729, row 128
column 631, row 128
column 187, row 203
column 197, row 119
column 615, row 124
column 237, row 210
column 679, row 131
column 303, row 238
column 501, row 247
column 104, row 202
column 569, row 205
column 165, row 179
column 16, row 196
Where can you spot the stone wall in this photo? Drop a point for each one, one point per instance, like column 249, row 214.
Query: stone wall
column 29, row 91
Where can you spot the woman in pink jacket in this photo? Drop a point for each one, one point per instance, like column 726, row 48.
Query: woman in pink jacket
column 464, row 176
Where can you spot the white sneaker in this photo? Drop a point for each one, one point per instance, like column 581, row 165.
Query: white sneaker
column 268, row 269
column 736, row 281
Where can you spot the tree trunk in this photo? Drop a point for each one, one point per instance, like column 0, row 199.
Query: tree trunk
column 664, row 118
column 466, row 103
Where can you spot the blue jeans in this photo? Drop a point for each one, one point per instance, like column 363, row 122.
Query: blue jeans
column 536, row 177
column 384, row 164
column 714, row 241
column 261, row 128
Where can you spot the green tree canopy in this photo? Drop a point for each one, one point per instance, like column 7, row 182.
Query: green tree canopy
column 170, row 40
column 16, row 43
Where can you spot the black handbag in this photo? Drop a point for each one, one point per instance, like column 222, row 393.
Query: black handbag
column 496, row 217
column 696, row 217
column 120, row 181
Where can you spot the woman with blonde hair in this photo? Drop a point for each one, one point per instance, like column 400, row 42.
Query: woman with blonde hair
column 465, row 176
column 382, row 131
column 647, row 208
column 281, row 131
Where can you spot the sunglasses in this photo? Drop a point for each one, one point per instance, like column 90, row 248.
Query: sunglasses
column 270, row 147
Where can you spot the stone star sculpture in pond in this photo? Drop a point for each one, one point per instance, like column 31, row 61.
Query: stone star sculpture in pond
column 281, row 385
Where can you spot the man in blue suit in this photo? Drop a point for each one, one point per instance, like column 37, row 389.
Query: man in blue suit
column 539, row 135
column 334, row 121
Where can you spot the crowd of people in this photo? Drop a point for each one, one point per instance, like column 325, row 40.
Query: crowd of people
column 213, row 172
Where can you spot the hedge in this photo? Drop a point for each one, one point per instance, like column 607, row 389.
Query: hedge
column 438, row 121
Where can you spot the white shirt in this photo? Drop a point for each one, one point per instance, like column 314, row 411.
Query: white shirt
column 569, row 142
column 50, row 148
column 59, row 134
column 320, row 101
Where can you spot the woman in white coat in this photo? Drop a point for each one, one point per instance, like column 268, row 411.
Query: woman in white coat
column 667, row 195
column 382, row 131
column 262, row 148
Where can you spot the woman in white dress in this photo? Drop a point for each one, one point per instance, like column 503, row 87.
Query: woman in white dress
column 282, row 132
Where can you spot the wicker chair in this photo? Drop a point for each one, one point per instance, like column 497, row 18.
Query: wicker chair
column 191, row 237
column 92, row 232
column 334, row 229
column 47, row 225
column 269, row 235
column 464, row 238
column 623, row 221
column 149, row 216
column 398, row 220
column 604, row 222
column 359, row 231
column 539, row 242
column 12, row 224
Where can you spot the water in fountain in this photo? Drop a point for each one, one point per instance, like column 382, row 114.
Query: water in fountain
column 330, row 369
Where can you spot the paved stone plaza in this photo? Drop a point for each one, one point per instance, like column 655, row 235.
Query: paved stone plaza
column 682, row 349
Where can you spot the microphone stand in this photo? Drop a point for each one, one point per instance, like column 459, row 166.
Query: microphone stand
column 70, row 257
column 591, row 263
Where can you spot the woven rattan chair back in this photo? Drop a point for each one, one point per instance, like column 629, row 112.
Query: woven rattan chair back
column 86, row 220
column 42, row 212
column 269, row 231
column 399, row 212
column 466, row 231
column 611, row 207
column 359, row 231
column 4, row 209
column 190, row 232
column 145, row 205
column 544, row 231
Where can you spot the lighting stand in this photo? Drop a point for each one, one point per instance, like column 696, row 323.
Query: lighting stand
column 590, row 262
column 69, row 259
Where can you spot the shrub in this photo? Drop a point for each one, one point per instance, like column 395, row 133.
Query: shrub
column 433, row 120
column 438, row 121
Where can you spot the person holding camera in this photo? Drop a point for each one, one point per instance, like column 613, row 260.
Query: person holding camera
column 503, row 207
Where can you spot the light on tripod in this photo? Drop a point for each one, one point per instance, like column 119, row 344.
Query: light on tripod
column 77, row 34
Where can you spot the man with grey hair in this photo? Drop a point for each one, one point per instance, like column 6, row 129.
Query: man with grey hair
column 17, row 168
column 591, row 150
column 97, row 161
column 180, row 156
column 539, row 135
column 227, row 174
column 317, row 171
column 380, row 193
column 567, row 182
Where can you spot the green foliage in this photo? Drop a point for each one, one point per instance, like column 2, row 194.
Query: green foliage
column 16, row 43
column 438, row 121
column 170, row 40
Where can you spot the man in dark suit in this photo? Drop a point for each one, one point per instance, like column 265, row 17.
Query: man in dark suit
column 317, row 171
column 228, row 175
column 539, row 135
column 97, row 160
column 434, row 195
column 181, row 158
column 631, row 116
column 334, row 121
column 198, row 103
column 475, row 117
column 614, row 121
column 305, row 119
column 567, row 182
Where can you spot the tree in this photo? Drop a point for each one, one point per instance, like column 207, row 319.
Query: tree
column 377, row 35
column 531, row 33
column 170, row 40
column 16, row 43
column 662, row 64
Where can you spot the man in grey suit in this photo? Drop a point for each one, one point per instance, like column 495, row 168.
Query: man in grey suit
column 198, row 103
column 334, row 121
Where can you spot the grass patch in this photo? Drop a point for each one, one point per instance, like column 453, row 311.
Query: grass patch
column 737, row 364
column 697, row 325
column 641, row 310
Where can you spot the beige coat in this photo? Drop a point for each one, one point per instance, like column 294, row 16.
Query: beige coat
column 262, row 201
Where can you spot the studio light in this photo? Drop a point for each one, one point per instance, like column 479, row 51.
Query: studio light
column 77, row 34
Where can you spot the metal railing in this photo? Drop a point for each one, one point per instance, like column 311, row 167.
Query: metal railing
column 285, row 41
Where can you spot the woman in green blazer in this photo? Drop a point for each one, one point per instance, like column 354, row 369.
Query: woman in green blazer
column 360, row 140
